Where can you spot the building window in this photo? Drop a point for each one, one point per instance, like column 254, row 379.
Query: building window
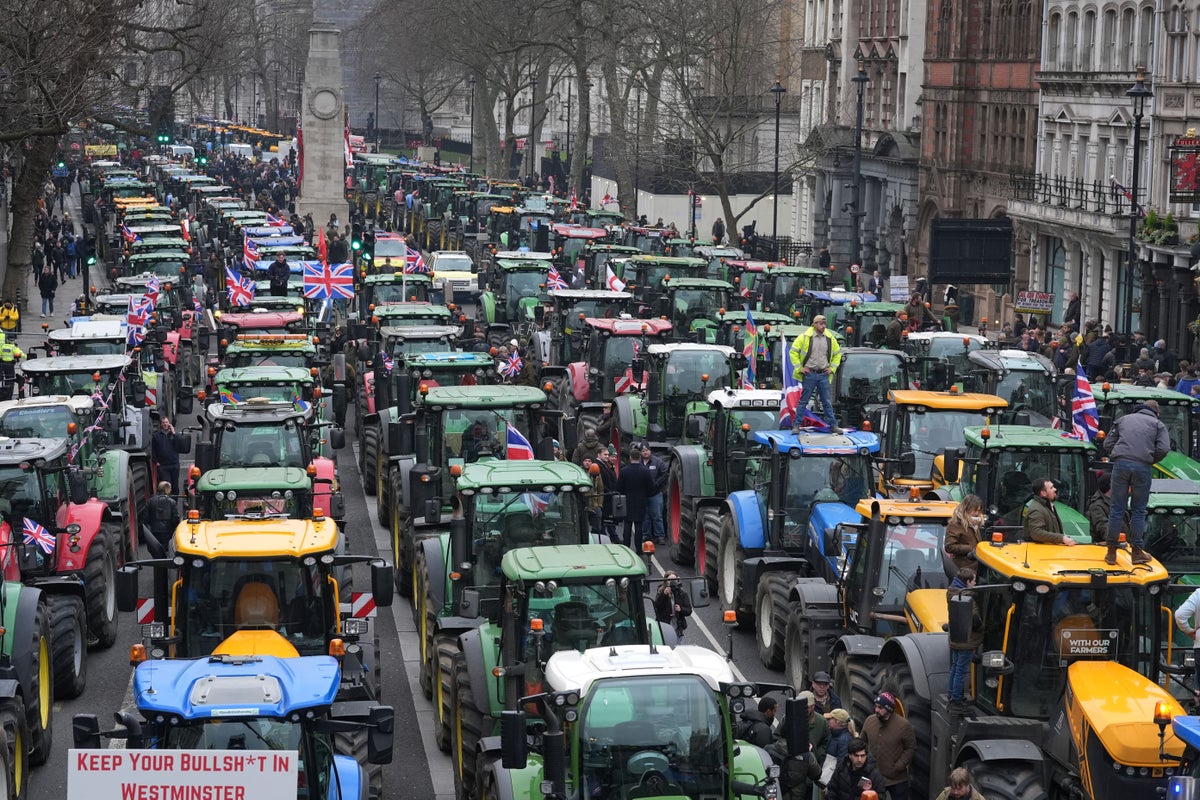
column 1087, row 51
column 1055, row 273
column 1146, row 37
column 982, row 156
column 1052, row 53
column 1108, row 56
column 945, row 24
column 1020, row 154
column 1071, row 43
column 1021, row 41
column 1004, row 45
column 1127, row 41
column 985, row 37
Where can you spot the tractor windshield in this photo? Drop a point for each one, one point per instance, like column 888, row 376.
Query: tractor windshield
column 821, row 479
column 260, row 733
column 867, row 378
column 1176, row 417
column 693, row 304
column 241, row 392
column 1173, row 537
column 268, row 445
column 671, row 724
column 1026, row 390
column 96, row 347
column 1050, row 631
column 20, row 496
column 576, row 616
column 81, row 382
column 36, row 422
column 521, row 284
column 400, row 292
column 271, row 358
column 1014, row 472
column 686, row 369
column 285, row 595
column 416, row 347
column 242, row 504
column 912, row 558
column 927, row 434
column 506, row 520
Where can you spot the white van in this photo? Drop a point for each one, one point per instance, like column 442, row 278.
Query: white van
column 182, row 151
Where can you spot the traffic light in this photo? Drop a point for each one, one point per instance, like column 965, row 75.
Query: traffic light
column 62, row 164
column 164, row 137
column 369, row 244
column 202, row 160
column 356, row 237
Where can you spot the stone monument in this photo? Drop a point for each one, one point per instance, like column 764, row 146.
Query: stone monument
column 323, row 143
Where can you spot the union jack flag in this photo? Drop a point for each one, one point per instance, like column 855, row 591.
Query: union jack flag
column 538, row 502
column 139, row 312
column 152, row 291
column 322, row 282
column 607, row 200
column 250, row 253
column 197, row 306
column 239, row 289
column 554, row 279
column 513, row 366
column 34, row 533
column 1085, row 419
column 274, row 221
column 792, row 389
column 612, row 281
column 414, row 263
column 518, row 447
column 128, row 235
column 387, row 361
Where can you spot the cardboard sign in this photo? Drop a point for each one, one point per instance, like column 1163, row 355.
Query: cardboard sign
column 1034, row 303
column 898, row 289
column 181, row 774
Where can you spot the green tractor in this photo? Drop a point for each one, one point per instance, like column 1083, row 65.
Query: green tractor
column 772, row 285
column 511, row 293
column 549, row 599
column 1175, row 409
column 504, row 507
column 694, row 305
column 1028, row 381
column 636, row 721
column 391, row 286
column 866, row 324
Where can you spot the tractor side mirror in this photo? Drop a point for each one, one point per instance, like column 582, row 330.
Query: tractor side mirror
column 137, row 393
column 951, row 463
column 908, row 463
column 206, row 456
column 186, row 438
column 337, row 506
column 184, row 404
column 127, row 588
column 696, row 426
column 514, row 747
column 339, row 404
column 698, row 591
column 433, row 511
column 77, row 485
column 383, row 585
column 337, row 438
column 85, row 730
column 380, row 734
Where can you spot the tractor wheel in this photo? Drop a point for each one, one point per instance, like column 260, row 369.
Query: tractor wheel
column 40, row 691
column 68, row 645
column 100, row 594
column 857, row 682
column 354, row 744
column 402, row 536
column 8, row 790
column 797, row 643
column 467, row 731
column 16, row 737
column 1006, row 780
column 383, row 486
column 898, row 679
column 681, row 519
column 486, row 770
column 729, row 574
column 441, row 656
column 423, row 620
column 140, row 472
column 368, row 458
column 708, row 539
column 771, row 614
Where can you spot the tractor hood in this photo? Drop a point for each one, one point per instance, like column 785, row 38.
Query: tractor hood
column 235, row 687
column 1118, row 704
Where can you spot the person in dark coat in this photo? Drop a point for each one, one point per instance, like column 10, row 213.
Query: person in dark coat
column 1071, row 315
column 1094, row 356
column 164, row 518
column 165, row 448
column 856, row 774
column 279, row 273
column 1135, row 443
column 756, row 723
column 961, row 652
column 47, row 286
column 672, row 603
column 604, row 459
column 635, row 481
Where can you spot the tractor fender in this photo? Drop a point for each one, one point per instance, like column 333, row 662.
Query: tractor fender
column 927, row 654
column 339, row 367
column 27, row 601
column 60, row 585
column 487, row 305
column 368, row 393
column 1003, row 749
column 507, row 779
column 692, row 462
column 750, row 763
column 405, row 465
column 171, row 348
column 88, row 517
column 385, row 415
column 457, row 625
column 859, row 646
column 827, row 516
column 744, row 506
column 816, row 594
column 471, row 645
column 349, row 783
column 624, row 415
column 110, row 484
column 433, row 547
column 753, row 568
column 577, row 372
column 326, row 471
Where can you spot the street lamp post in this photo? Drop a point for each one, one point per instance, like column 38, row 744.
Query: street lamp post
column 778, row 91
column 471, row 82
column 860, row 82
column 567, row 160
column 529, row 144
column 637, row 153
column 276, row 128
column 1139, row 93
column 378, row 78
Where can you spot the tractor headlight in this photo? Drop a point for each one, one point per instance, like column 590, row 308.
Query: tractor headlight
column 353, row 626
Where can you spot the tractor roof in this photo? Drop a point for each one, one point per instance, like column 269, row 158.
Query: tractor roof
column 578, row 561
column 686, row 262
column 675, row 347
column 934, row 336
column 745, row 398
column 79, row 403
column 76, row 363
column 877, row 307
column 256, row 410
column 1012, row 361
column 959, row 401
column 523, row 265
column 737, row 316
column 1169, row 494
column 487, row 476
column 1025, row 437
column 450, row 360
column 836, row 296
column 523, row 255
column 272, row 342
column 819, row 443
column 411, row 309
column 264, row 374
column 570, row 669
column 17, row 451
column 235, row 687
column 140, row 280
column 261, row 318
column 424, row 332
column 483, row 396
column 86, row 329
column 622, row 249
column 245, row 538
column 572, row 295
column 718, row 251
column 1128, row 393
column 628, row 326
column 398, row 276
column 578, row 231
column 1063, row 566
column 250, row 478
column 777, row 267
column 699, row 283
column 922, row 509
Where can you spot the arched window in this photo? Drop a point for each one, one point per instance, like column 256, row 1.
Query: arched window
column 1024, row 37
column 1128, row 41
column 1108, row 42
column 1145, row 37
column 985, row 19
column 945, row 32
column 1005, row 45
column 1053, row 34
column 1071, row 43
column 1087, row 47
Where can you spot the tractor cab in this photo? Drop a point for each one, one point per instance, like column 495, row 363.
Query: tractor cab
column 1028, row 381
column 596, row 257
column 515, row 286
column 773, row 285
column 254, row 493
column 127, row 424
column 412, row 314
column 94, row 336
column 387, row 286
column 693, row 305
column 1176, row 410
column 292, row 350
column 399, row 341
column 563, row 330
column 866, row 324
column 166, row 265
column 863, row 381
column 940, row 359
column 830, row 303
column 569, row 241
column 647, row 276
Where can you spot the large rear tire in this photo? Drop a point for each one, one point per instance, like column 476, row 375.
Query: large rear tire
column 708, row 544
column 729, row 574
column 772, row 610
column 99, row 587
column 8, row 790
column 39, row 711
column 857, row 682
column 467, row 731
column 368, row 457
column 402, row 539
column 423, row 618
column 68, row 645
column 140, row 472
column 442, row 653
column 1006, row 780
column 798, row 643
column 681, row 518
column 16, row 738
column 354, row 744
column 898, row 679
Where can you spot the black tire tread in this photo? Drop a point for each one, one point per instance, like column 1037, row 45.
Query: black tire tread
column 441, row 656
column 733, row 598
column 1006, row 780
column 368, row 457
column 68, row 631
column 16, row 738
column 710, row 528
column 469, row 721
column 424, row 635
column 857, row 682
column 354, row 744
column 777, row 585
column 96, row 579
column 682, row 539
column 41, row 738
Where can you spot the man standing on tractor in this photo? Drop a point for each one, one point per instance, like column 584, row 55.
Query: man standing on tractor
column 279, row 272
column 816, row 356
column 165, row 449
column 1135, row 442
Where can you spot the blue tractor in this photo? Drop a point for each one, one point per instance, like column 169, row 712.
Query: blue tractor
column 258, row 703
column 773, row 535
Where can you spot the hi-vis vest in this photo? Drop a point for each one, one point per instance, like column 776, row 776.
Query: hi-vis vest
column 9, row 352
column 9, row 316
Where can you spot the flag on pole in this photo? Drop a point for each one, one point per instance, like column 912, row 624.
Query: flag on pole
column 518, row 448
column 324, row 282
column 574, row 201
column 612, row 281
column 322, row 247
column 128, row 235
column 1085, row 419
column 749, row 350
column 607, row 200
column 414, row 263
column 1128, row 195
column 791, row 409
column 274, row 221
column 34, row 533
column 250, row 253
column 152, row 291
column 239, row 288
column 554, row 279
column 513, row 366
column 185, row 229
column 299, row 151
column 538, row 502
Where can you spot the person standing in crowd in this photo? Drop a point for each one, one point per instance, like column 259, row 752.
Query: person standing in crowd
column 164, row 518
column 757, row 725
column 963, row 532
column 958, row 787
column 595, row 501
column 634, row 482
column 892, row 741
column 652, row 525
column 856, row 774
column 279, row 273
column 47, row 286
column 841, row 731
column 589, row 447
column 1042, row 523
column 604, row 459
column 824, row 697
column 165, row 448
column 1135, row 443
column 673, row 604
column 1098, row 507
column 718, row 230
